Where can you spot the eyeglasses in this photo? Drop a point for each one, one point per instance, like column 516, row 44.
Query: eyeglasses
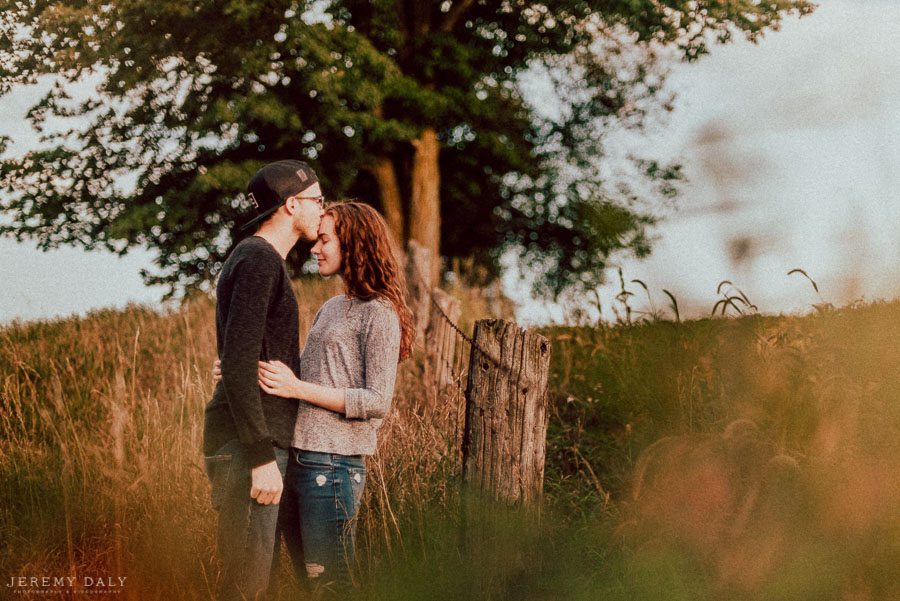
column 320, row 200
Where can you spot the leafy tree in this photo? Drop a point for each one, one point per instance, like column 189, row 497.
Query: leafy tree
column 414, row 105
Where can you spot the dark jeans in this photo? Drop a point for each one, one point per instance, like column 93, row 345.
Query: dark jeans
column 246, row 530
column 322, row 495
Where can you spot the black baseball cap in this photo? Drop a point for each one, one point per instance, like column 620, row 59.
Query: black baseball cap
column 274, row 183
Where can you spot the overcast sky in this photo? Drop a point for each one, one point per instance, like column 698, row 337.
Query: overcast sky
column 792, row 149
column 791, row 146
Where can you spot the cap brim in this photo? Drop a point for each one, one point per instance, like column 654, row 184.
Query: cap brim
column 260, row 217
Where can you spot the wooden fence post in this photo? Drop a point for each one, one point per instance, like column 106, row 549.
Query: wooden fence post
column 506, row 412
column 419, row 284
column 440, row 340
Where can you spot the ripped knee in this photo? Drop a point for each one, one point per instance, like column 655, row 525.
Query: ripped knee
column 314, row 570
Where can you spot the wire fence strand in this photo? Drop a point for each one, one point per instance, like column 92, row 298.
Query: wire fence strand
column 521, row 376
column 466, row 337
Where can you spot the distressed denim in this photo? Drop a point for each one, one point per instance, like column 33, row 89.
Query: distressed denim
column 246, row 531
column 323, row 492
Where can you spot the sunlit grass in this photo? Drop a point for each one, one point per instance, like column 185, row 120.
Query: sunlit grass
column 743, row 458
column 753, row 458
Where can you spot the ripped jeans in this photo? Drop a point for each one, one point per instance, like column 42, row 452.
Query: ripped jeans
column 322, row 494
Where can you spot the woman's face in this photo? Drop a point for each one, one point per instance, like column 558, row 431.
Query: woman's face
column 327, row 249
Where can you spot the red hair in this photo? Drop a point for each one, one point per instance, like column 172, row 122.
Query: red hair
column 369, row 266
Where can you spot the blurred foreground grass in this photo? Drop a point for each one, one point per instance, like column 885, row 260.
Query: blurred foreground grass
column 752, row 458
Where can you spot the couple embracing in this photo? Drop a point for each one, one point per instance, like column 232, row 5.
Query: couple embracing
column 286, row 432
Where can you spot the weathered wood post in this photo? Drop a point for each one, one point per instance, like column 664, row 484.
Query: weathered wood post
column 506, row 413
column 418, row 281
column 440, row 340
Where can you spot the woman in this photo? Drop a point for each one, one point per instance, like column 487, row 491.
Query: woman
column 349, row 366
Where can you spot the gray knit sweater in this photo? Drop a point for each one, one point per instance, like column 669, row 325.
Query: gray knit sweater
column 355, row 345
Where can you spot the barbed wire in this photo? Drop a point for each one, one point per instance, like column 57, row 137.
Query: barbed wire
column 521, row 377
column 466, row 337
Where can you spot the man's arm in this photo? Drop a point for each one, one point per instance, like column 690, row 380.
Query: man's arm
column 254, row 280
column 253, row 283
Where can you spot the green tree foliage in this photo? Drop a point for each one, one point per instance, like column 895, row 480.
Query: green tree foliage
column 186, row 99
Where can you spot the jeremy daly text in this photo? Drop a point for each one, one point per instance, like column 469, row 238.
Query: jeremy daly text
column 68, row 582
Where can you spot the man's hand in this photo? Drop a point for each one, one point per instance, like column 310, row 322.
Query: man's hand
column 217, row 371
column 266, row 484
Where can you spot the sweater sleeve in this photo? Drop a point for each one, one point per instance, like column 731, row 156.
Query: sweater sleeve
column 381, row 352
column 254, row 282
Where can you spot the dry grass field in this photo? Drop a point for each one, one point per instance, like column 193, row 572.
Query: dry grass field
column 750, row 458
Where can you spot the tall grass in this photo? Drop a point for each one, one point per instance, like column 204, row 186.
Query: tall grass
column 99, row 453
column 100, row 462
column 751, row 458
column 99, row 458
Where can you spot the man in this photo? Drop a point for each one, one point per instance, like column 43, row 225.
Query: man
column 247, row 433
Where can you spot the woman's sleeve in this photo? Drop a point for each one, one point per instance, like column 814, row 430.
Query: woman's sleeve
column 381, row 352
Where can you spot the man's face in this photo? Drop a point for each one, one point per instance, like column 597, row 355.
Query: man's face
column 308, row 208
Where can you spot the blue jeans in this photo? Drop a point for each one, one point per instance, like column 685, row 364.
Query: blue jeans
column 323, row 492
column 246, row 530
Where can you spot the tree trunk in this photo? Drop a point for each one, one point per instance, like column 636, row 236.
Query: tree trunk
column 389, row 190
column 425, row 205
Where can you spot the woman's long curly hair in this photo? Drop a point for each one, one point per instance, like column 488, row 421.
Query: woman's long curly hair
column 368, row 264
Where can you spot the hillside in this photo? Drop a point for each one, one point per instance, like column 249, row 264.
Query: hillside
column 743, row 458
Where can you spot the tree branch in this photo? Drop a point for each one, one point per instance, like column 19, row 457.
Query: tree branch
column 456, row 11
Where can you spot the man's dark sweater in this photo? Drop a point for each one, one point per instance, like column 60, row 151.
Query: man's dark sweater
column 256, row 320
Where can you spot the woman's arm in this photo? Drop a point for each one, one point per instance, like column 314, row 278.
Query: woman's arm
column 381, row 354
column 277, row 379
